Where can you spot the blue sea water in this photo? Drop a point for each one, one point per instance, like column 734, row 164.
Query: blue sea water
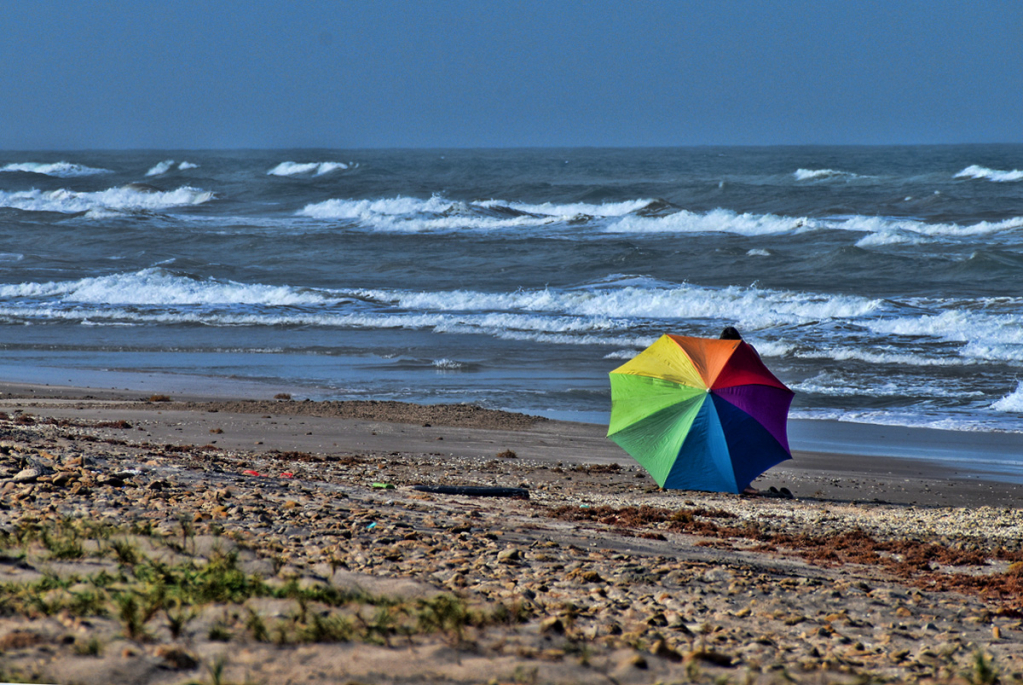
column 883, row 284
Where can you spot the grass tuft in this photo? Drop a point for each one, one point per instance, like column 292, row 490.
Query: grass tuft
column 257, row 627
column 984, row 671
column 132, row 618
column 90, row 647
column 124, row 552
column 219, row 632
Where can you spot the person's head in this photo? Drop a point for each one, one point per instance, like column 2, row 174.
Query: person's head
column 730, row 333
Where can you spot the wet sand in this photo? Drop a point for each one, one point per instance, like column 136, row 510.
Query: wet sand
column 888, row 568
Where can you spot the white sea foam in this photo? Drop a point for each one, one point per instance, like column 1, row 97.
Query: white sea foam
column 714, row 221
column 980, row 172
column 758, row 252
column 161, row 168
column 550, row 330
column 607, row 209
column 879, row 354
column 818, row 387
column 818, row 174
column 586, row 316
column 606, row 314
column 447, row 364
column 836, row 385
column 890, row 237
column 754, row 307
column 9, row 257
column 984, row 335
column 879, row 230
column 57, row 169
column 308, row 168
column 439, row 214
column 1013, row 402
column 951, row 325
column 904, row 418
column 583, row 340
column 919, row 228
column 772, row 348
column 168, row 164
column 1008, row 353
column 959, row 323
column 413, row 215
column 156, row 287
column 374, row 209
column 124, row 198
column 882, row 231
column 622, row 354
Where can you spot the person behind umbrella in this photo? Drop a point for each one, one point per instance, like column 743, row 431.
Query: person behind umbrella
column 730, row 333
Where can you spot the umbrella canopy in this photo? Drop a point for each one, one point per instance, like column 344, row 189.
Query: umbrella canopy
column 700, row 413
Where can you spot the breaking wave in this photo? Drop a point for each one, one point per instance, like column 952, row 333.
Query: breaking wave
column 983, row 329
column 57, row 169
column 411, row 215
column 1013, row 402
column 125, row 198
column 715, row 221
column 980, row 172
column 600, row 308
column 879, row 231
column 760, row 308
column 158, row 287
column 309, row 168
column 960, row 324
column 624, row 355
column 642, row 216
column 843, row 385
column 168, row 164
column 819, row 174
column 574, row 209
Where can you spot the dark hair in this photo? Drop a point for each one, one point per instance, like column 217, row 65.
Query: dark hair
column 730, row 333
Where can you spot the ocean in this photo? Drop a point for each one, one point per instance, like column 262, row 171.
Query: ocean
column 884, row 285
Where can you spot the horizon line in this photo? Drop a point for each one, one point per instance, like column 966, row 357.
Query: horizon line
column 506, row 148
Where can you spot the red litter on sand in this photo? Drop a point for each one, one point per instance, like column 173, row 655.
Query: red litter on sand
column 250, row 472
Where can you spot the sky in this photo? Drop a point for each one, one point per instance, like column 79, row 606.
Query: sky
column 186, row 74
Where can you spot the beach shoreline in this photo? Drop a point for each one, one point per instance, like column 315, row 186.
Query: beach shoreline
column 880, row 568
column 840, row 461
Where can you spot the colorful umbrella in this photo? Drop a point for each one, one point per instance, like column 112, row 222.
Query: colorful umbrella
column 700, row 414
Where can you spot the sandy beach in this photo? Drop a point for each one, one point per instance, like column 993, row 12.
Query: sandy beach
column 186, row 539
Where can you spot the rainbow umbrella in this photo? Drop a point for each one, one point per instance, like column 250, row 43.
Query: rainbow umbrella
column 700, row 414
